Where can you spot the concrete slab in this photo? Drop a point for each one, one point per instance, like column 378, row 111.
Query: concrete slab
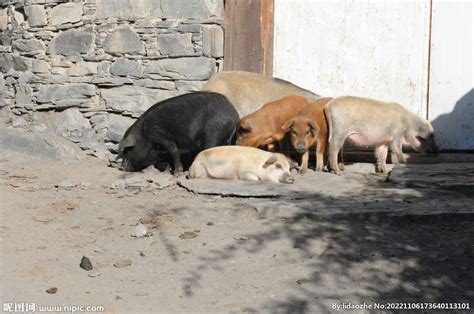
column 329, row 184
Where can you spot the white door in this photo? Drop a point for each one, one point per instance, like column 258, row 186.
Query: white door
column 451, row 96
column 381, row 49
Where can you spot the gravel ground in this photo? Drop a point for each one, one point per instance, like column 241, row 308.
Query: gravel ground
column 327, row 240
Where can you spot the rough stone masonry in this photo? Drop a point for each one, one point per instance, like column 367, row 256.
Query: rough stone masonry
column 92, row 66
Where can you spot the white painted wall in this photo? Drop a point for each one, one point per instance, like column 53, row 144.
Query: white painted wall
column 377, row 49
column 451, row 97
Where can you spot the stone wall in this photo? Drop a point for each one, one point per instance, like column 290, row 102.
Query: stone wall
column 95, row 65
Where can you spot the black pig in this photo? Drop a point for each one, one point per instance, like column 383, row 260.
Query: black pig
column 188, row 123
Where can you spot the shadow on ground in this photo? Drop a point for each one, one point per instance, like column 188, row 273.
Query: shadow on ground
column 375, row 248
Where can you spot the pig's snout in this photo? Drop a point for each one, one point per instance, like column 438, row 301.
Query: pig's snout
column 433, row 150
column 300, row 147
column 287, row 178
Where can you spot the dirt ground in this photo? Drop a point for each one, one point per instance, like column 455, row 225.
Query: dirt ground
column 377, row 241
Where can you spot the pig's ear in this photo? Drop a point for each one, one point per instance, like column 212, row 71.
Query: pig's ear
column 288, row 124
column 270, row 161
column 128, row 141
column 245, row 127
column 313, row 125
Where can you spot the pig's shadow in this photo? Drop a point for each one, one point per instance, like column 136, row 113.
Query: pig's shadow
column 454, row 130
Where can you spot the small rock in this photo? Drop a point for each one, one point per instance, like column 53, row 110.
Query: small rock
column 210, row 223
column 86, row 263
column 52, row 290
column 123, row 263
column 139, row 231
column 142, row 254
column 188, row 235
column 161, row 182
column 302, row 281
column 95, row 274
column 65, row 185
column 19, row 122
column 129, row 183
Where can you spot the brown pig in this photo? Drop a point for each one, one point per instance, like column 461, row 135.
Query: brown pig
column 372, row 123
column 263, row 127
column 241, row 163
column 307, row 129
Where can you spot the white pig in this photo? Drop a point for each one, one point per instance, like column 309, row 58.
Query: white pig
column 241, row 163
column 249, row 91
column 372, row 123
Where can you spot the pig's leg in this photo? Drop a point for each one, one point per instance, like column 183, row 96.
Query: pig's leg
column 304, row 163
column 341, row 159
column 334, row 147
column 381, row 157
column 397, row 152
column 172, row 149
column 248, row 176
column 320, row 150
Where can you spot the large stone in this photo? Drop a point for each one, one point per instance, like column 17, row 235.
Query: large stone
column 37, row 144
column 23, row 95
column 18, row 18
column 161, row 84
column 70, row 119
column 123, row 40
column 190, row 85
column 132, row 99
column 175, row 45
column 83, row 69
column 72, row 42
column 40, row 66
column 125, row 67
column 200, row 68
column 29, row 46
column 128, row 9
column 55, row 92
column 3, row 19
column 11, row 61
column 111, row 81
column 117, row 126
column 66, row 13
column 212, row 41
column 197, row 9
column 134, row 10
column 36, row 15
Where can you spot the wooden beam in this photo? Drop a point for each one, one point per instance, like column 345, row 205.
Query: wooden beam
column 248, row 41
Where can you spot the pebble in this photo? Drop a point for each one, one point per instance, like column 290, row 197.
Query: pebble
column 95, row 274
column 52, row 290
column 139, row 231
column 65, row 185
column 86, row 263
column 188, row 235
column 123, row 263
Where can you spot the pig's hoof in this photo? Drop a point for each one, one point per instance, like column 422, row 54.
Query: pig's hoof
column 302, row 172
column 342, row 167
column 319, row 169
